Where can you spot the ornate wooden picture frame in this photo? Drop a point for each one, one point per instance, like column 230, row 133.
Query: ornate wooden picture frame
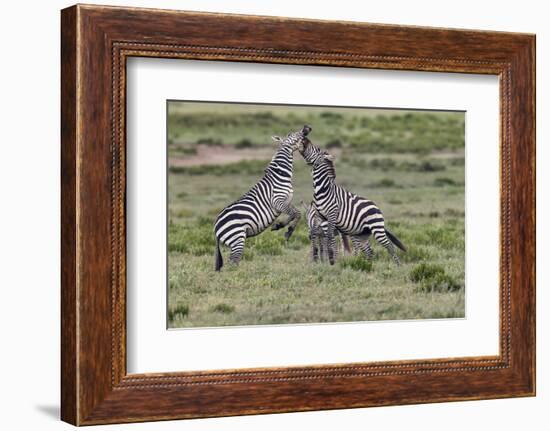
column 96, row 41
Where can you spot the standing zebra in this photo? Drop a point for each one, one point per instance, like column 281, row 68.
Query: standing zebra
column 258, row 208
column 351, row 214
column 318, row 228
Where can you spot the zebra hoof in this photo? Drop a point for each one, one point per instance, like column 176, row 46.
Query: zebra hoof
column 277, row 226
column 288, row 234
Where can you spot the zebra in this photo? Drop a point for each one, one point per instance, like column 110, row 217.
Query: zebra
column 351, row 214
column 318, row 227
column 258, row 208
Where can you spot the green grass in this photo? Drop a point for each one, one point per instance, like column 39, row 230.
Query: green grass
column 419, row 186
column 363, row 131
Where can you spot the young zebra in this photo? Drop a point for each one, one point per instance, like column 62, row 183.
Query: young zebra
column 318, row 227
column 263, row 203
column 350, row 214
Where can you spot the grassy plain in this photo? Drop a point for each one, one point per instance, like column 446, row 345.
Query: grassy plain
column 410, row 163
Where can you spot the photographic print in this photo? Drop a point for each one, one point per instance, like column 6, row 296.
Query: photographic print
column 287, row 214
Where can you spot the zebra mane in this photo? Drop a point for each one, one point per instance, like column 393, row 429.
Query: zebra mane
column 283, row 155
column 323, row 161
column 331, row 170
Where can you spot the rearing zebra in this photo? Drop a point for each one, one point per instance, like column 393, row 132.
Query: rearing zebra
column 351, row 214
column 257, row 209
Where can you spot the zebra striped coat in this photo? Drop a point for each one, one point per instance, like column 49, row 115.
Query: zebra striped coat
column 352, row 215
column 257, row 209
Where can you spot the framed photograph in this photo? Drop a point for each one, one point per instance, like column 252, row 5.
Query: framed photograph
column 263, row 214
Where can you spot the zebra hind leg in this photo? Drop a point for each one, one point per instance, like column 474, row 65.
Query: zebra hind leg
column 314, row 247
column 362, row 245
column 237, row 249
column 331, row 247
column 324, row 246
column 383, row 239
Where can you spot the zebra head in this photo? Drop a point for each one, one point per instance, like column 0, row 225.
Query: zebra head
column 311, row 153
column 294, row 140
column 315, row 156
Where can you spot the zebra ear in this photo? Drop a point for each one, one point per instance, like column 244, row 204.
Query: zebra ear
column 277, row 139
column 329, row 157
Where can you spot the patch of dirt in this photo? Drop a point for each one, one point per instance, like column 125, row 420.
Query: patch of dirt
column 221, row 155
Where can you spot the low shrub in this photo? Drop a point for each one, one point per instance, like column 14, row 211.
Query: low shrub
column 384, row 164
column 433, row 278
column 423, row 166
column 443, row 182
column 180, row 310
column 356, row 263
column 211, row 142
column 244, row 143
column 223, row 308
column 385, row 182
column 334, row 143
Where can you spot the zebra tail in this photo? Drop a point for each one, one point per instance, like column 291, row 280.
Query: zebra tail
column 396, row 241
column 219, row 258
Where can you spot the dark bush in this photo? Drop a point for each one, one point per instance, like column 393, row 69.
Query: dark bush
column 211, row 142
column 443, row 182
column 334, row 143
column 244, row 143
column 385, row 182
column 384, row 164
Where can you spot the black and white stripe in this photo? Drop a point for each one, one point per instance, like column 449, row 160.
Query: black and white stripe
column 352, row 215
column 263, row 203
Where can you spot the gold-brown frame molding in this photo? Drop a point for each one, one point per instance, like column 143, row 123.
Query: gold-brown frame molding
column 96, row 42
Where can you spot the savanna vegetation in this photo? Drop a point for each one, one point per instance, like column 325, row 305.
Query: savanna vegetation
column 410, row 163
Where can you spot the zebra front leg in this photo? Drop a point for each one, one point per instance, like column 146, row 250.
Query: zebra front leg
column 293, row 219
column 331, row 243
column 323, row 245
column 314, row 247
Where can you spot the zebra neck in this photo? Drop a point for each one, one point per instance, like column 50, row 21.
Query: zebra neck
column 281, row 163
column 321, row 180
